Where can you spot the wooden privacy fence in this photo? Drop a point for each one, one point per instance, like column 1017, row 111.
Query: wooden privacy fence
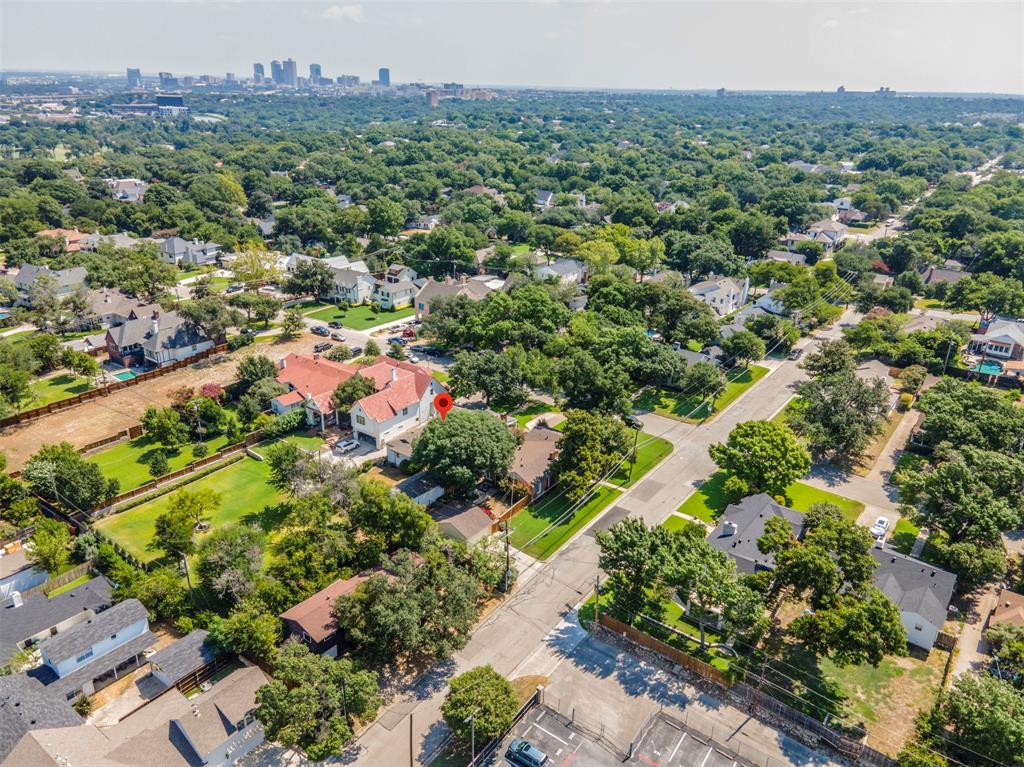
column 945, row 641
column 130, row 433
column 699, row 667
column 105, row 391
column 63, row 579
column 498, row 524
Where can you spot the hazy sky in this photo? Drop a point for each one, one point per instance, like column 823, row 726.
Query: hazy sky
column 757, row 44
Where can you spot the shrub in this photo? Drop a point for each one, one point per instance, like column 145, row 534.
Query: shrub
column 735, row 489
column 184, row 624
column 906, row 400
column 912, row 378
column 82, row 706
column 200, row 450
column 237, row 342
column 284, row 423
column 158, row 465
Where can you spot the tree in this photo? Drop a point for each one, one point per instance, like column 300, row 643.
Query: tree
column 634, row 557
column 50, row 545
column 174, row 534
column 230, row 560
column 496, row 376
column 744, row 347
column 351, row 390
column 480, row 704
column 989, row 295
column 248, row 631
column 706, row 381
column 60, row 474
column 371, row 350
column 591, row 443
column 210, row 315
column 310, row 277
column 255, row 367
column 81, row 363
column 312, row 701
column 196, row 505
column 255, row 266
column 752, row 234
column 464, row 447
column 986, row 716
column 386, row 216
column 832, row 357
column 285, row 461
column 856, row 629
column 764, row 454
column 292, row 324
column 394, row 519
column 158, row 465
column 589, row 385
column 164, row 425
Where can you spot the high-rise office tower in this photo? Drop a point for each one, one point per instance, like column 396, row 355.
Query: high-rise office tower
column 384, row 76
column 291, row 74
column 315, row 73
column 257, row 73
column 167, row 80
column 276, row 72
column 134, row 78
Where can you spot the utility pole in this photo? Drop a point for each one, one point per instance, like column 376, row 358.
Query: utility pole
column 188, row 579
column 508, row 560
column 412, row 761
column 597, row 599
column 471, row 721
column 632, row 459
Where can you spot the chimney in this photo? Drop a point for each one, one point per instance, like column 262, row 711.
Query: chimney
column 283, row 363
column 154, row 327
column 729, row 527
column 16, row 600
column 394, row 374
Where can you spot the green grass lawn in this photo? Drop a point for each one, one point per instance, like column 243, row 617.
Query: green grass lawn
column 441, row 376
column 15, row 338
column 529, row 522
column 71, row 584
column 693, row 409
column 521, row 249
column 708, row 501
column 358, row 317
column 648, row 456
column 128, row 461
column 531, row 410
column 246, row 495
column 56, row 388
column 309, row 442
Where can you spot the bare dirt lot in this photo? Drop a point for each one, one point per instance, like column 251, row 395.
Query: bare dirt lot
column 94, row 420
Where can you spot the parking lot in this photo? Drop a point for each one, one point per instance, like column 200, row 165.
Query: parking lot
column 664, row 742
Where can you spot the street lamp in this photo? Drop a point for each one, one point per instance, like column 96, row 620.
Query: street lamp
column 471, row 721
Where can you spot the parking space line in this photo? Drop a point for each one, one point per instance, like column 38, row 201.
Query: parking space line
column 553, row 735
column 708, row 754
column 673, row 755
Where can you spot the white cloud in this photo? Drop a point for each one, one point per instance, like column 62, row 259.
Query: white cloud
column 831, row 24
column 352, row 13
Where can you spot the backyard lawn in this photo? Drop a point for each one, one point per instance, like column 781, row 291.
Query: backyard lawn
column 531, row 410
column 56, row 388
column 708, row 501
column 441, row 376
column 359, row 317
column 127, row 461
column 648, row 456
column 693, row 409
column 529, row 522
column 70, row 585
column 245, row 495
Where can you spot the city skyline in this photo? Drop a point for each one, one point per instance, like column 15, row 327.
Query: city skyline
column 682, row 46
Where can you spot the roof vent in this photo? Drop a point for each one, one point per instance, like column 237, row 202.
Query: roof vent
column 729, row 527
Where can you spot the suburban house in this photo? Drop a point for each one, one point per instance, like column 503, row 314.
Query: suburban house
column 741, row 524
column 399, row 447
column 432, row 290
column 17, row 574
column 1002, row 338
column 544, row 199
column 26, row 706
column 786, row 256
column 723, row 294
column 97, row 651
column 403, row 398
column 109, row 307
column 920, row 591
column 27, row 619
column 770, row 301
column 842, row 203
column 311, row 621
column 215, row 728
column 66, row 281
column 420, row 488
column 67, row 240
column 397, row 289
column 353, row 285
column 423, row 224
column 182, row 658
column 829, row 233
column 1009, row 609
column 531, row 461
column 156, row 340
column 568, row 271
column 127, row 189
column 933, row 275
column 462, row 520
column 177, row 251
column 852, row 216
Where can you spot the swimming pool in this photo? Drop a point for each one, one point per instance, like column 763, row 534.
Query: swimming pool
column 988, row 368
column 124, row 375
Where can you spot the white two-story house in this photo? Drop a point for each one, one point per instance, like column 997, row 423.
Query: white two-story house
column 723, row 294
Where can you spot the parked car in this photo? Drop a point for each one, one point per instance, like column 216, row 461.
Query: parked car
column 408, row 333
column 430, row 351
column 412, row 358
column 322, row 347
column 524, row 754
column 320, row 330
column 879, row 528
column 234, row 288
column 794, row 354
column 397, row 340
column 334, row 324
column 356, row 350
column 633, row 422
column 346, row 446
column 337, row 336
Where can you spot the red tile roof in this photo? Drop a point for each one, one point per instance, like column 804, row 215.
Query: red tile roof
column 291, row 398
column 313, row 375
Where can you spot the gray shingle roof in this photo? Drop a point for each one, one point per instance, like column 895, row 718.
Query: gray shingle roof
column 914, row 586
column 26, row 705
column 172, row 333
column 64, row 278
column 184, row 656
column 37, row 613
column 749, row 517
column 79, row 638
column 97, row 666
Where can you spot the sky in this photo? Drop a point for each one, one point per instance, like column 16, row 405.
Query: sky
column 965, row 46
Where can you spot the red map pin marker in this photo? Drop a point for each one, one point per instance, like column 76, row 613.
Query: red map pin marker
column 443, row 403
